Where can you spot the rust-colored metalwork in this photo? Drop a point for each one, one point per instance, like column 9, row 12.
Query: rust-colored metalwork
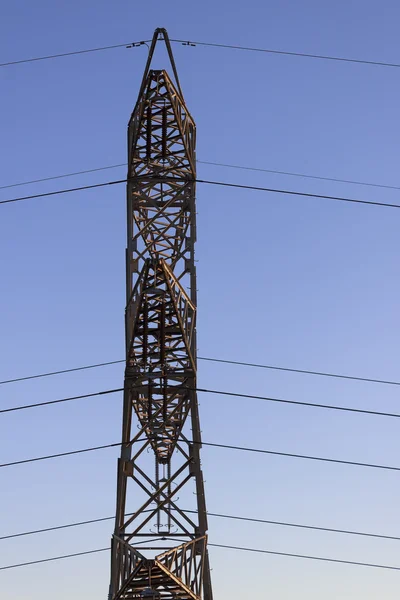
column 159, row 551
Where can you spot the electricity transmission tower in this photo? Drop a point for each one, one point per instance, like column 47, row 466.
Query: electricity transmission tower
column 159, row 549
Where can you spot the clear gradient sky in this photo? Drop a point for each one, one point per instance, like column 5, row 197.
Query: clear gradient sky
column 304, row 283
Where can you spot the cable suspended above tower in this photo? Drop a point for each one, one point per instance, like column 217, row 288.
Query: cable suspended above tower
column 159, row 550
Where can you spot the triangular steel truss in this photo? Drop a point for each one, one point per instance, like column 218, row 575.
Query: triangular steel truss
column 161, row 441
column 160, row 366
column 177, row 573
column 161, row 173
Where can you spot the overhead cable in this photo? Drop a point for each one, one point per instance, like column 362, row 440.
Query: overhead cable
column 303, row 371
column 211, row 45
column 72, row 53
column 301, row 456
column 216, row 360
column 302, row 175
column 74, row 174
column 65, row 191
column 59, row 400
column 44, row 560
column 301, row 403
column 207, row 182
column 59, row 455
column 216, row 515
column 216, row 164
column 61, row 372
column 296, row 193
column 288, row 53
column 224, row 546
column 308, row 557
column 213, row 445
column 218, row 392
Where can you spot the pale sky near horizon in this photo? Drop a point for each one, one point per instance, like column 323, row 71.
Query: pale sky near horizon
column 289, row 281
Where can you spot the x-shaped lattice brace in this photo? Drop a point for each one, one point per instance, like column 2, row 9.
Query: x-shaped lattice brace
column 162, row 214
column 161, row 496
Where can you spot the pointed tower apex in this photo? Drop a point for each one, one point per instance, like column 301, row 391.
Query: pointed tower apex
column 160, row 34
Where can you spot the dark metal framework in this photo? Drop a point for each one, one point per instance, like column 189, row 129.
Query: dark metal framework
column 160, row 415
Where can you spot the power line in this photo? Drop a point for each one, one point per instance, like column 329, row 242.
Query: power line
column 40, row 375
column 301, row 526
column 210, row 514
column 12, row 185
column 301, row 403
column 212, row 45
column 296, row 193
column 308, row 557
column 216, row 164
column 57, row 527
column 59, row 455
column 304, row 371
column 214, row 445
column 73, row 53
column 60, row 400
column 45, row 560
column 65, row 191
column 302, row 175
column 287, row 53
column 217, row 360
column 208, row 182
column 301, row 456
column 225, row 546
column 219, row 392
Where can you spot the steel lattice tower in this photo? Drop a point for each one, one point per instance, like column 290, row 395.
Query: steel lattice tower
column 160, row 549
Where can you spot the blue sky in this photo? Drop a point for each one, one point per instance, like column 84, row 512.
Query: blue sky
column 304, row 283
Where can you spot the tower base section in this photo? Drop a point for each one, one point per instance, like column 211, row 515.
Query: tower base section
column 174, row 575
